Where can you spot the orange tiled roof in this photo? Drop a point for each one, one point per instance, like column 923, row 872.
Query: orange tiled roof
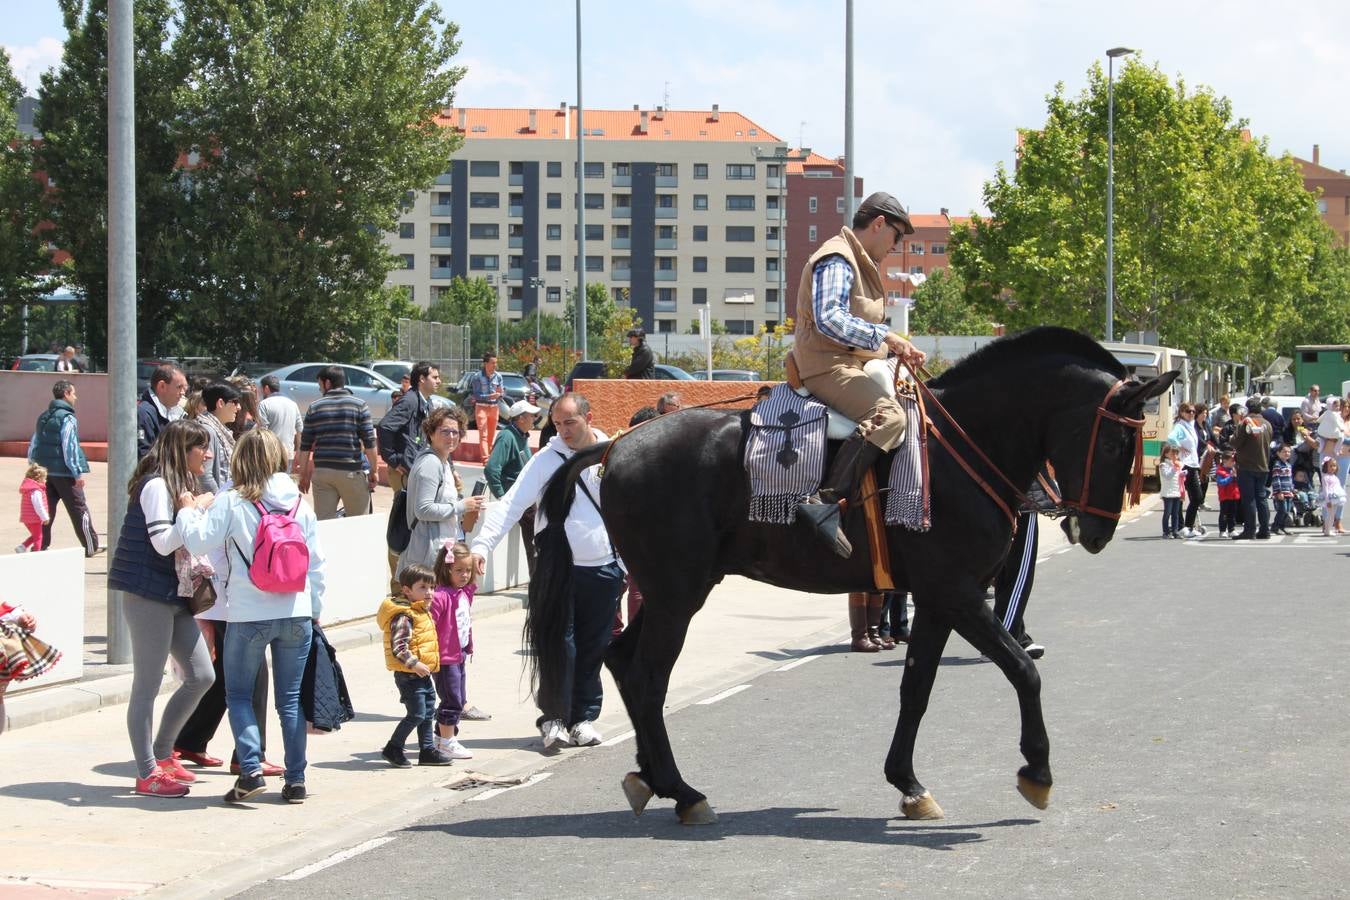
column 605, row 124
column 1317, row 170
column 814, row 161
column 928, row 220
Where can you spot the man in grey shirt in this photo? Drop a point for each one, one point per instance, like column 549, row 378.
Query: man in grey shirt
column 279, row 415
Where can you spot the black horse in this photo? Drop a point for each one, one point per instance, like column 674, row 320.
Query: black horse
column 675, row 501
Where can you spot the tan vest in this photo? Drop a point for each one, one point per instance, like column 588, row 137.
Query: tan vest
column 814, row 352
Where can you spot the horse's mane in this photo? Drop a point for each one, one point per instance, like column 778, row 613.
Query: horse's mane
column 1043, row 342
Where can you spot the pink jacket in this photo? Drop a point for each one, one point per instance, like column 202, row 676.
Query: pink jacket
column 28, row 510
column 450, row 611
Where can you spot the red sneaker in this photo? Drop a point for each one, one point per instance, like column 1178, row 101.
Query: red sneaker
column 204, row 760
column 161, row 784
column 174, row 769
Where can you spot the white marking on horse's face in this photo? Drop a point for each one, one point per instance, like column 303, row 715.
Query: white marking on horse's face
column 1070, row 527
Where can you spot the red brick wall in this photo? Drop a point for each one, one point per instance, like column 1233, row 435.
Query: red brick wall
column 613, row 402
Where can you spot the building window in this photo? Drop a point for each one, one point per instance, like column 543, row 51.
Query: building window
column 738, row 326
column 665, row 326
column 408, row 259
column 700, row 263
column 486, row 231
column 517, row 168
column 553, row 232
column 407, row 229
column 441, row 229
column 771, row 295
column 939, row 249
column 595, row 201
column 916, row 270
column 515, row 262
column 1322, row 206
column 482, row 263
column 595, row 264
column 811, row 233
column 771, row 264
column 553, row 295
column 839, row 204
column 621, row 232
column 665, row 201
column 740, row 202
column 665, row 170
column 740, row 172
column 553, row 201
column 700, row 296
column 554, row 170
column 771, row 170
column 665, row 295
column 771, row 203
column 622, row 169
column 740, row 264
column 485, row 168
column 440, row 260
column 700, row 232
column 623, row 201
column 740, row 233
column 665, row 264
column 620, row 263
column 595, row 170
column 593, row 232
column 916, row 247
column 665, row 232
column 700, row 201
column 553, row 263
column 811, row 204
column 441, row 198
column 485, row 200
column 701, row 171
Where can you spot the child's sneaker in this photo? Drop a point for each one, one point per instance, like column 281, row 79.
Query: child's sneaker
column 433, row 757
column 455, row 750
column 176, row 770
column 22, row 548
column 394, row 756
column 161, row 784
column 246, row 787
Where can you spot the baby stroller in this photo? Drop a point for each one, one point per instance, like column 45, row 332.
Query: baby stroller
column 1306, row 511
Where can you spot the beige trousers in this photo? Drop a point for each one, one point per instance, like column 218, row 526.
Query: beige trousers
column 880, row 419
column 331, row 485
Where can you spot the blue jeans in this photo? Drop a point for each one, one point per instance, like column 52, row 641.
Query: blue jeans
column 245, row 643
column 1284, row 508
column 1252, row 485
column 1171, row 521
column 418, row 695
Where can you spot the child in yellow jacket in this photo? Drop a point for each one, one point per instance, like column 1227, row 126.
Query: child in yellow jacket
column 412, row 653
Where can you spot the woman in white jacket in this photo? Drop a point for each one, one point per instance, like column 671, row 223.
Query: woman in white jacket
column 258, row 618
column 435, row 507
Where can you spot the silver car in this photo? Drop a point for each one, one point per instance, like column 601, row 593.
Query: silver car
column 300, row 382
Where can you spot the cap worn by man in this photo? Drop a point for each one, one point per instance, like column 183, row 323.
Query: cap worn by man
column 520, row 408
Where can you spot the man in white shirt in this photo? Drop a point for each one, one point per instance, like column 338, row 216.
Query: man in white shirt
column 597, row 575
column 1312, row 404
column 279, row 415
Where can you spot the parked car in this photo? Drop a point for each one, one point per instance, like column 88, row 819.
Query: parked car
column 514, row 387
column 725, row 375
column 144, row 369
column 255, row 370
column 672, row 373
column 591, row 368
column 36, row 362
column 300, row 383
column 393, row 369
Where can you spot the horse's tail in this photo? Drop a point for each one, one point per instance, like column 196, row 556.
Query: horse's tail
column 550, row 607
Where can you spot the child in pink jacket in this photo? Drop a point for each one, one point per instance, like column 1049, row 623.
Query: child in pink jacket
column 33, row 507
column 450, row 611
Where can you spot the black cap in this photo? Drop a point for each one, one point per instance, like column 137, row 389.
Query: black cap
column 636, row 332
column 883, row 204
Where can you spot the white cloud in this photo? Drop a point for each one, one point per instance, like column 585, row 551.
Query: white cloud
column 30, row 61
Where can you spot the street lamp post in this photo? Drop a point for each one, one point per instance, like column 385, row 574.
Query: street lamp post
column 1111, row 56
column 496, row 312
column 536, row 284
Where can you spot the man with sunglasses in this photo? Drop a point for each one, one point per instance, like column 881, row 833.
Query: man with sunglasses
column 841, row 309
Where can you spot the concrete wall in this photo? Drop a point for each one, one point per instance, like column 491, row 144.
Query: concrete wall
column 50, row 585
column 613, row 401
column 27, row 394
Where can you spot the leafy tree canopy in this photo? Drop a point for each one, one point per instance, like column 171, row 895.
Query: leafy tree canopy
column 941, row 307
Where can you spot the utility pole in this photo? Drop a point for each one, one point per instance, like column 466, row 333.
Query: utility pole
column 848, row 112
column 581, row 205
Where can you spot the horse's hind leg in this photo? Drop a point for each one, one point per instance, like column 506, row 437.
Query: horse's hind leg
column 619, row 661
column 977, row 624
column 928, row 636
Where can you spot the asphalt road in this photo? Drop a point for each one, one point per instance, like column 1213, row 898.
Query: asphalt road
column 1196, row 705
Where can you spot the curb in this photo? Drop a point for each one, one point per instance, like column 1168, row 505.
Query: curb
column 112, row 687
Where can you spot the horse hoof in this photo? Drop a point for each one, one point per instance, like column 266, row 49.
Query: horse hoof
column 637, row 792
column 698, row 814
column 921, row 807
column 1037, row 794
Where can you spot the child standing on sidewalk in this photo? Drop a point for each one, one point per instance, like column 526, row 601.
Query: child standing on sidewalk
column 22, row 656
column 450, row 605
column 1282, row 489
column 1332, row 499
column 1225, row 475
column 1169, row 480
column 33, row 507
column 412, row 653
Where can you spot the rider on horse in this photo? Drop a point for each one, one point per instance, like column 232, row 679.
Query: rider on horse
column 841, row 305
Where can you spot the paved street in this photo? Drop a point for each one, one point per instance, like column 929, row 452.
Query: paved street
column 1195, row 699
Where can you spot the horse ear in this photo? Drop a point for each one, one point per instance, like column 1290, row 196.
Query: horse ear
column 1137, row 394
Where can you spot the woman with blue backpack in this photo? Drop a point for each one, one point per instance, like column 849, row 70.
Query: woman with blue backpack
column 272, row 589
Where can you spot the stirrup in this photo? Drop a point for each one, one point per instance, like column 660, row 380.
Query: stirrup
column 826, row 520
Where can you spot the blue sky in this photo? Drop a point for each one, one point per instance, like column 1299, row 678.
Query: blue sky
column 940, row 87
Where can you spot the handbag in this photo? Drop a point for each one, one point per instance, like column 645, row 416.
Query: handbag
column 398, row 532
column 203, row 597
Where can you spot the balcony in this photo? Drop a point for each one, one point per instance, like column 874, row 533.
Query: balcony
column 771, row 244
column 621, row 212
column 665, row 275
column 667, row 181
column 516, row 179
column 619, row 243
column 666, row 306
column 771, row 277
column 517, row 240
column 773, row 181
column 441, row 273
column 515, row 304
column 516, row 211
column 622, row 181
column 620, row 274
column 441, row 209
column 771, row 215
column 441, row 240
column 516, row 274
column 666, row 243
column 667, row 212
column 444, row 178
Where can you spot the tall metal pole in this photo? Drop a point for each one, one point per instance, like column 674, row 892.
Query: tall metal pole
column 1110, row 198
column 848, row 112
column 121, row 296
column 581, row 204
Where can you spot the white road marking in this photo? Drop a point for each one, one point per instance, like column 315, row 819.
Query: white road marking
column 488, row 795
column 797, row 662
column 708, row 701
column 617, row 739
column 1063, row 550
column 336, row 858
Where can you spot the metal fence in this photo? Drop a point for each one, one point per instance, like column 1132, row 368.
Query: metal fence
column 437, row 342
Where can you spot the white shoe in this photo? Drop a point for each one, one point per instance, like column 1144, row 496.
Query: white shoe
column 1187, row 533
column 553, row 732
column 21, row 549
column 585, row 735
column 455, row 750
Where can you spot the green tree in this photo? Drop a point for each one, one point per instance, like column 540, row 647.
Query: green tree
column 311, row 119
column 1214, row 239
column 941, row 307
column 73, row 119
column 23, row 256
column 600, row 312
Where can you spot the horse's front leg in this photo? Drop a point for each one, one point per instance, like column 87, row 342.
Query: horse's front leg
column 927, row 637
column 977, row 624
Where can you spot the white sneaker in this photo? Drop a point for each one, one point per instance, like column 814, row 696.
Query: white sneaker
column 21, row 549
column 585, row 735
column 553, row 732
column 455, row 750
column 1186, row 533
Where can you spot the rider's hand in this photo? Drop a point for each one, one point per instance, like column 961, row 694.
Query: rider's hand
column 909, row 354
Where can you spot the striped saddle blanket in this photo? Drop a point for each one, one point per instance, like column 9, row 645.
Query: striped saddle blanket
column 785, row 460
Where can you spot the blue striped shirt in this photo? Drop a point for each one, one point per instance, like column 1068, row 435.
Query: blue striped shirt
column 832, row 282
column 337, row 427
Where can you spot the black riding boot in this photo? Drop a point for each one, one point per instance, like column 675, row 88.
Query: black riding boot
column 822, row 509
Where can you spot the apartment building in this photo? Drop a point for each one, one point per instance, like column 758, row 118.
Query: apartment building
column 682, row 211
column 921, row 253
column 1333, row 201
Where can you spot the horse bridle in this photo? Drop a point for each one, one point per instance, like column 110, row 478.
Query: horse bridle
column 1081, row 505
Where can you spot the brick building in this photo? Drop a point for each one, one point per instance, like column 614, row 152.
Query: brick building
column 1334, row 201
column 815, row 211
